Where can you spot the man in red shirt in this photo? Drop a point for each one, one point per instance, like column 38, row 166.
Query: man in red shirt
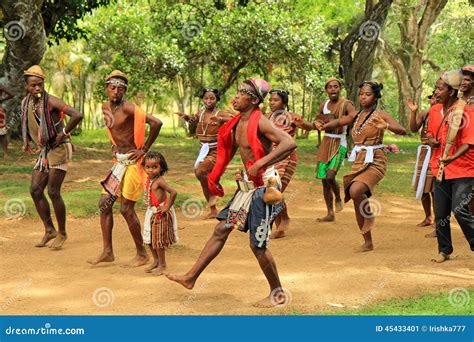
column 454, row 192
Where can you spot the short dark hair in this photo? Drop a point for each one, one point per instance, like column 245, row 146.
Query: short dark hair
column 154, row 155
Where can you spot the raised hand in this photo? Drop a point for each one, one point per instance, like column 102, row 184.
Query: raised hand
column 412, row 106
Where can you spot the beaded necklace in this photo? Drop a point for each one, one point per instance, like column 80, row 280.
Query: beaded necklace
column 201, row 119
column 368, row 118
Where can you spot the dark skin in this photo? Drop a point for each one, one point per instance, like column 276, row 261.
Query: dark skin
column 120, row 116
column 268, row 134
column 5, row 95
column 159, row 188
column 467, row 88
column 282, row 221
column 331, row 187
column 447, row 96
column 54, row 178
column 358, row 190
column 416, row 122
column 212, row 121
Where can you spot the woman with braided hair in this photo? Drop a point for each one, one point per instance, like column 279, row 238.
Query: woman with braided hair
column 288, row 122
column 368, row 155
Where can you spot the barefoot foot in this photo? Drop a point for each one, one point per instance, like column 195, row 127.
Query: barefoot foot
column 159, row 270
column 279, row 297
column 48, row 236
column 431, row 235
column 212, row 214
column 441, row 257
column 339, row 206
column 181, row 279
column 366, row 247
column 425, row 223
column 327, row 218
column 150, row 268
column 104, row 257
column 277, row 234
column 59, row 241
column 138, row 261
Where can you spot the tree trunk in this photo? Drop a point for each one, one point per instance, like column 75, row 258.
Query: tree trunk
column 406, row 56
column 25, row 45
column 357, row 66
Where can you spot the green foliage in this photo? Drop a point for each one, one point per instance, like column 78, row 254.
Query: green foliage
column 156, row 42
column 60, row 17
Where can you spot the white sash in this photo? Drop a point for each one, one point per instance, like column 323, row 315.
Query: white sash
column 369, row 156
column 203, row 152
column 423, row 172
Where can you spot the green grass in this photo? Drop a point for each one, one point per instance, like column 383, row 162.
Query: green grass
column 428, row 304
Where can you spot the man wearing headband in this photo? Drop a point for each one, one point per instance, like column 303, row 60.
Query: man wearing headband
column 467, row 85
column 42, row 118
column 125, row 124
column 3, row 119
column 451, row 136
column 207, row 121
column 333, row 149
column 253, row 134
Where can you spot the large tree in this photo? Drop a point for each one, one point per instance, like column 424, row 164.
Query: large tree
column 358, row 48
column 407, row 54
column 27, row 26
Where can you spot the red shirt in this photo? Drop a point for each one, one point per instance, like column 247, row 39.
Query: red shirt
column 463, row 166
column 2, row 118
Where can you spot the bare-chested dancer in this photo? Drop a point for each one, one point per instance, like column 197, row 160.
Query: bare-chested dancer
column 253, row 134
column 125, row 123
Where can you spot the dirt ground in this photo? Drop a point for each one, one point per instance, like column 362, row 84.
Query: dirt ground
column 315, row 261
